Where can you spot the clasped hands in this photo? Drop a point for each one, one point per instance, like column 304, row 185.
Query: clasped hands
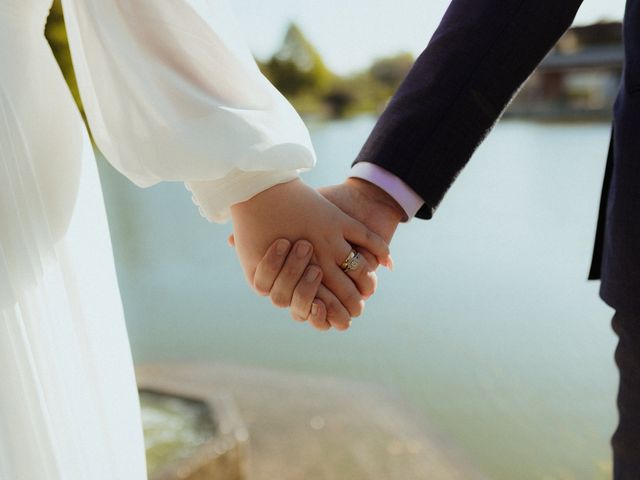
column 291, row 240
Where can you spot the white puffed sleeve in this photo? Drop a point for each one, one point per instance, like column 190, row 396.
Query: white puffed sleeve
column 172, row 92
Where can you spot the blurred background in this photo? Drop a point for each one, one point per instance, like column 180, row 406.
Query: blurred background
column 487, row 327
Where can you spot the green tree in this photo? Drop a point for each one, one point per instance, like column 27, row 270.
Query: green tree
column 56, row 34
column 390, row 71
column 297, row 67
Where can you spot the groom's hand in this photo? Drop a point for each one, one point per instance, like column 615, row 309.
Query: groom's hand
column 361, row 200
column 294, row 211
column 286, row 276
column 367, row 203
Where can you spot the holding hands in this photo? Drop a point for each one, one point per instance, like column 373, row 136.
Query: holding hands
column 308, row 276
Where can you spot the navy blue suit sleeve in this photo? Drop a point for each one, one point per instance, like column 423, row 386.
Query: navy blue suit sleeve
column 478, row 57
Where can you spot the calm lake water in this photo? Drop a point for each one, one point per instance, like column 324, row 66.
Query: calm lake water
column 487, row 324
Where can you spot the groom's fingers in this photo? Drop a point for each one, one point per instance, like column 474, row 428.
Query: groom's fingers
column 304, row 294
column 318, row 312
column 269, row 267
column 291, row 273
column 337, row 316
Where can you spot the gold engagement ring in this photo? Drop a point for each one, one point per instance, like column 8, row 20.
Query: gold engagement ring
column 351, row 262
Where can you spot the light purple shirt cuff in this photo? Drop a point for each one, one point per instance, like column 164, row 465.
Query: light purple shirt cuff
column 402, row 193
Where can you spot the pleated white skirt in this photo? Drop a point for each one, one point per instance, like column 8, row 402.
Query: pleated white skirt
column 69, row 408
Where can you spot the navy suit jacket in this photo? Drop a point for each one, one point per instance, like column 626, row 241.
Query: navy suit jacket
column 480, row 54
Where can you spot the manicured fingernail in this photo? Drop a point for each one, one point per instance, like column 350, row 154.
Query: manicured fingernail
column 282, row 247
column 312, row 274
column 390, row 263
column 303, row 249
column 314, row 309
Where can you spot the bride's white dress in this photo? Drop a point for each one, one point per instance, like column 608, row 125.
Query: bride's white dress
column 172, row 94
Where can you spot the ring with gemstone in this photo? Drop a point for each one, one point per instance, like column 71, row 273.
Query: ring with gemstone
column 352, row 262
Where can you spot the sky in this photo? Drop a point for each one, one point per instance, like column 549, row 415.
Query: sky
column 349, row 34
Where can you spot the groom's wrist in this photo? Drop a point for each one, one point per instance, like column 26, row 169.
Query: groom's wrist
column 376, row 195
column 394, row 187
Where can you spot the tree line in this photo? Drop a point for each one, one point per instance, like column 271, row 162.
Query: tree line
column 296, row 69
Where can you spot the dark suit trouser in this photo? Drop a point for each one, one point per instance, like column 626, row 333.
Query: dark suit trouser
column 626, row 439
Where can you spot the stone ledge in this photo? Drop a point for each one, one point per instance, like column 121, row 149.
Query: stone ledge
column 318, row 428
column 222, row 457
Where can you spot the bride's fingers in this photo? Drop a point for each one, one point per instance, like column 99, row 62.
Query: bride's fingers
column 371, row 260
column 373, row 265
column 269, row 267
column 370, row 257
column 231, row 241
column 363, row 275
column 357, row 234
column 305, row 293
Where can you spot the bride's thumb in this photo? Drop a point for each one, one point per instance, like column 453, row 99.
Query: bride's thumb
column 231, row 241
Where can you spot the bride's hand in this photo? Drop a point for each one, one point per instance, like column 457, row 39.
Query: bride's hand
column 295, row 211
